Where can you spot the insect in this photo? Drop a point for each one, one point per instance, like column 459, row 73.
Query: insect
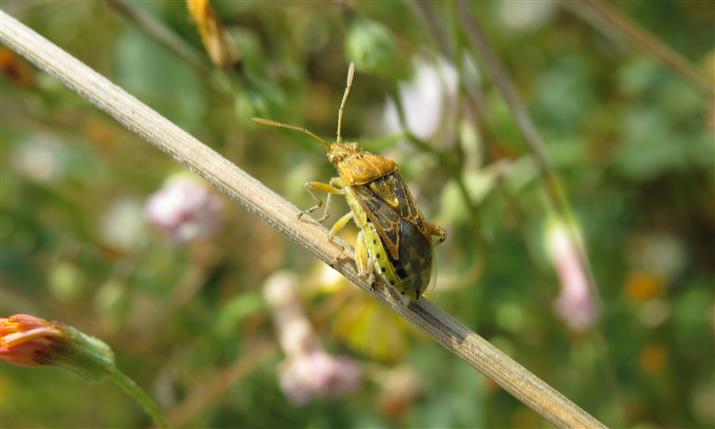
column 395, row 241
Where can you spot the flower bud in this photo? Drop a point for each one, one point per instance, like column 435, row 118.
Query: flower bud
column 576, row 304
column 31, row 342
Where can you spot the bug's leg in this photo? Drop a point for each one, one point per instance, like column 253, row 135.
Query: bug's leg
column 437, row 230
column 335, row 230
column 363, row 260
column 339, row 225
column 337, row 186
column 337, row 183
column 329, row 189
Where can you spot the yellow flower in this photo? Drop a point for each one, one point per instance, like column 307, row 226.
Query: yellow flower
column 29, row 341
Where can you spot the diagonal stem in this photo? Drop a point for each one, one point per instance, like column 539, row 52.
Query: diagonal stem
column 282, row 215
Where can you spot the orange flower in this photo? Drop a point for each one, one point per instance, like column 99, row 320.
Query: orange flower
column 653, row 359
column 644, row 285
column 29, row 341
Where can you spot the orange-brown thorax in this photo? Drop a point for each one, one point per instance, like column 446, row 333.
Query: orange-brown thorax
column 357, row 167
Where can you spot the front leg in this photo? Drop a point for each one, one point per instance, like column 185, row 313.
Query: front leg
column 331, row 189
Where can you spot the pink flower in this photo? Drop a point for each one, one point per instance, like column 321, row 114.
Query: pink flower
column 317, row 374
column 308, row 372
column 186, row 209
column 576, row 304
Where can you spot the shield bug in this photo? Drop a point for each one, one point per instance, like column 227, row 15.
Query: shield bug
column 395, row 241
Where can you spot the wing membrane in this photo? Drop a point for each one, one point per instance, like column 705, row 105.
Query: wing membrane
column 387, row 202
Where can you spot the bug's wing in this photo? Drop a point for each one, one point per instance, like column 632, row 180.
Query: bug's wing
column 387, row 202
column 406, row 202
column 381, row 209
column 407, row 207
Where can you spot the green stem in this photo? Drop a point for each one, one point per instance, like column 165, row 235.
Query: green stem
column 651, row 43
column 557, row 199
column 132, row 389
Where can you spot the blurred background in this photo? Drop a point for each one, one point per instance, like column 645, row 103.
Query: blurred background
column 601, row 283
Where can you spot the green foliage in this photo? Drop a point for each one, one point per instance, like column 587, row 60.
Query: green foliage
column 631, row 141
column 369, row 45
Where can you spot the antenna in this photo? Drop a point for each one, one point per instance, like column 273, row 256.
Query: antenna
column 305, row 131
column 348, row 85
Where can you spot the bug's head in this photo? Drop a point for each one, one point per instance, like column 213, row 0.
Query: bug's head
column 338, row 152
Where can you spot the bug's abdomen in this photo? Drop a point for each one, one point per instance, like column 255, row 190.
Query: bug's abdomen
column 415, row 263
column 410, row 273
column 383, row 263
